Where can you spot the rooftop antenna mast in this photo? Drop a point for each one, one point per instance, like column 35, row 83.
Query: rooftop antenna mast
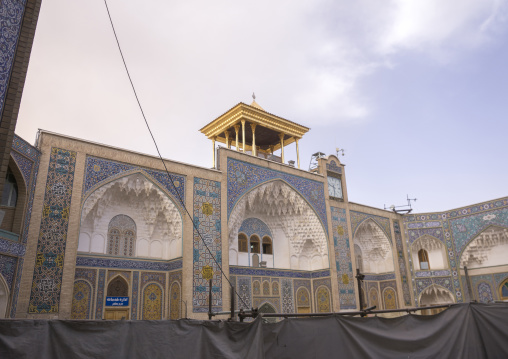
column 339, row 150
column 405, row 210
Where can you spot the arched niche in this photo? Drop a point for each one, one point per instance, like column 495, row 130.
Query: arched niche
column 175, row 299
column 375, row 249
column 435, row 295
column 4, row 297
column 303, row 301
column 13, row 198
column 118, row 287
column 157, row 218
column 389, row 298
column 487, row 249
column 323, row 300
column 503, row 290
column 299, row 240
column 433, row 249
column 268, row 308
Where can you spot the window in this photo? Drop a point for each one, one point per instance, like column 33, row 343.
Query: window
column 267, row 245
column 122, row 236
column 504, row 290
column 10, row 192
column 423, row 258
column 242, row 243
column 254, row 244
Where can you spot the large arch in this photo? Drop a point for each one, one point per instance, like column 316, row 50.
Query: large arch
column 298, row 237
column 437, row 258
column 487, row 249
column 376, row 250
column 158, row 219
column 435, row 295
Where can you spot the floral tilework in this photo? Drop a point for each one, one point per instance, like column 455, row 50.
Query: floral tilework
column 81, row 300
column 153, row 300
column 499, row 278
column 378, row 277
column 482, row 287
column 287, row 296
column 255, row 226
column 84, row 261
column 404, row 275
column 135, row 295
column 302, row 283
column 86, row 274
column 11, row 15
column 47, row 278
column 100, row 294
column 414, row 234
column 147, row 277
column 207, row 219
column 24, row 148
column 99, row 170
column 8, row 268
column 347, row 298
column 114, row 273
column 358, row 217
column 243, row 176
column 259, row 301
column 485, row 292
column 16, row 285
column 24, row 164
column 12, row 248
column 422, row 283
column 277, row 272
column 245, row 292
column 433, row 273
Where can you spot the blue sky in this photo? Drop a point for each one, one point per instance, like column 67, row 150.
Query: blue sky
column 415, row 91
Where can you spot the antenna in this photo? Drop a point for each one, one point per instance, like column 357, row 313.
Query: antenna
column 402, row 210
column 339, row 150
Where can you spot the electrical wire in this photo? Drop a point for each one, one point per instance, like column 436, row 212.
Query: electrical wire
column 162, row 160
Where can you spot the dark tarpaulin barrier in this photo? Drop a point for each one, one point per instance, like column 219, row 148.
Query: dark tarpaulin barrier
column 462, row 331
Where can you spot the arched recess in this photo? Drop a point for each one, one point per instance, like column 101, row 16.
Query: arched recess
column 376, row 251
column 487, row 249
column 256, row 288
column 503, row 290
column 275, row 288
column 13, row 198
column 436, row 252
column 4, row 297
column 152, row 302
column 299, row 240
column 158, row 219
column 81, row 300
column 266, row 288
column 268, row 308
column 389, row 298
column 323, row 300
column 374, row 298
column 303, row 301
column 175, row 299
column 435, row 295
column 118, row 287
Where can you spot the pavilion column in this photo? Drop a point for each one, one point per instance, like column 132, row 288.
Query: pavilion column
column 243, row 134
column 281, row 136
column 297, row 153
column 237, row 129
column 228, row 143
column 213, row 142
column 254, row 149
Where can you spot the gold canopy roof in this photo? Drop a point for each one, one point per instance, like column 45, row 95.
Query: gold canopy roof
column 269, row 127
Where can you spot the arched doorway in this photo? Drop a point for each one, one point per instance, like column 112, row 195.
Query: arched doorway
column 435, row 295
column 268, row 308
column 117, row 288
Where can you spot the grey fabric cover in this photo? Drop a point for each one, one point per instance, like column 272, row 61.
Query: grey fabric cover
column 463, row 331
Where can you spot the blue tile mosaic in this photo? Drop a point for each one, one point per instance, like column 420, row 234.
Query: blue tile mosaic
column 288, row 305
column 98, row 171
column 404, row 275
column 83, row 261
column 11, row 16
column 432, row 273
column 424, row 224
column 21, row 146
column 245, row 292
column 379, row 277
column 48, row 271
column 268, row 272
column 207, row 219
column 25, row 166
column 358, row 218
column 342, row 250
column 414, row 234
column 8, row 268
column 255, row 226
column 243, row 176
column 333, row 167
column 13, row 248
column 100, row 294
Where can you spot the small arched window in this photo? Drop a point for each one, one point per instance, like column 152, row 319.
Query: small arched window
column 118, row 287
column 254, row 244
column 242, row 243
column 122, row 236
column 423, row 258
column 503, row 290
column 10, row 192
column 267, row 245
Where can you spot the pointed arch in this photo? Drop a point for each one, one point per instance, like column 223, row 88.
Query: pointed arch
column 303, row 300
column 323, row 299
column 487, row 248
column 376, row 248
column 436, row 254
column 175, row 299
column 4, row 297
column 82, row 298
column 390, row 298
column 435, row 294
column 153, row 299
column 503, row 290
column 118, row 287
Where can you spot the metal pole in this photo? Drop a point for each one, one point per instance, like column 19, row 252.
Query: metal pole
column 359, row 277
column 210, row 301
column 468, row 283
column 232, row 291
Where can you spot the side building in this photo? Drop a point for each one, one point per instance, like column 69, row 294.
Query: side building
column 91, row 231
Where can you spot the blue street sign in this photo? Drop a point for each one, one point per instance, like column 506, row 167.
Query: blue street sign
column 117, row 301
